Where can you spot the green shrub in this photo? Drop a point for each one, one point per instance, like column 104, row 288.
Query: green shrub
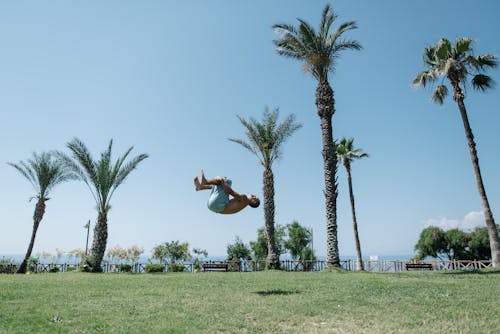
column 176, row 267
column 54, row 270
column 68, row 269
column 154, row 268
column 86, row 263
column 8, row 268
column 32, row 262
column 125, row 268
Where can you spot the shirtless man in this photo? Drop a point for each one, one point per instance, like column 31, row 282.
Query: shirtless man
column 219, row 201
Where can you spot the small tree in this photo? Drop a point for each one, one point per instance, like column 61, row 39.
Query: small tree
column 259, row 247
column 479, row 244
column 44, row 173
column 457, row 244
column 159, row 253
column 199, row 252
column 238, row 250
column 133, row 253
column 265, row 139
column 171, row 252
column 430, row 243
column 102, row 177
column 454, row 244
column 299, row 238
column 177, row 251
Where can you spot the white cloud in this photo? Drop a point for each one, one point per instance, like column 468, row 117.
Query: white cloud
column 469, row 222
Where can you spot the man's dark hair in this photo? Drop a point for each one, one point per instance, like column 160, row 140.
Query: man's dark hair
column 256, row 204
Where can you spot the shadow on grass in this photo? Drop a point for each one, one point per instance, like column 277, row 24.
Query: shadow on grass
column 277, row 292
column 473, row 271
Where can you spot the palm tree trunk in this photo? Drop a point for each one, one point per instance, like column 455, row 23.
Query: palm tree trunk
column 490, row 222
column 37, row 218
column 99, row 242
column 359, row 258
column 272, row 256
column 325, row 108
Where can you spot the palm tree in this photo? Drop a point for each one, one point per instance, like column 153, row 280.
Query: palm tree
column 456, row 63
column 102, row 178
column 265, row 140
column 44, row 173
column 319, row 52
column 347, row 154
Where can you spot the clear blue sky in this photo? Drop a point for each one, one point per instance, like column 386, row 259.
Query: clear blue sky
column 169, row 78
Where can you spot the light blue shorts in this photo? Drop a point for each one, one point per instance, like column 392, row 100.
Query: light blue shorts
column 218, row 199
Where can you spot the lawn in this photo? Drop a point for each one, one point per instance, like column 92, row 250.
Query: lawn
column 263, row 302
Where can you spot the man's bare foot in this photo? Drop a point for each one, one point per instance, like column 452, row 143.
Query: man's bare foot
column 202, row 178
column 197, row 185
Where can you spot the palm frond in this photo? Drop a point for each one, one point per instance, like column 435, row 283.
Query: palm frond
column 82, row 156
column 317, row 49
column 127, row 168
column 102, row 176
column 443, row 49
column 424, row 78
column 487, row 60
column 327, row 19
column 265, row 137
column 343, row 28
column 244, row 144
column 347, row 44
column 462, row 47
column 25, row 171
column 44, row 172
column 482, row 82
column 288, row 45
column 346, row 151
column 439, row 94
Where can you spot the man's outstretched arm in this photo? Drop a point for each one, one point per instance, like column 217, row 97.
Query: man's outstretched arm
column 230, row 191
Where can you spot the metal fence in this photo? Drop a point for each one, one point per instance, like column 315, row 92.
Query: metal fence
column 252, row 265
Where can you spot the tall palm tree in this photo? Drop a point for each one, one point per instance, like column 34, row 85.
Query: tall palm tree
column 102, row 178
column 346, row 153
column 457, row 63
column 44, row 173
column 265, row 139
column 319, row 51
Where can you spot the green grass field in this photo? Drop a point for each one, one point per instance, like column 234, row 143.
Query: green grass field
column 264, row 302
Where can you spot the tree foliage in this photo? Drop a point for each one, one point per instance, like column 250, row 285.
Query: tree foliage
column 317, row 49
column 238, row 250
column 259, row 247
column 455, row 61
column 299, row 238
column 454, row 244
column 171, row 252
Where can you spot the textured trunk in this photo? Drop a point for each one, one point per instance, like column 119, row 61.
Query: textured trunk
column 458, row 96
column 325, row 108
column 359, row 258
column 99, row 242
column 272, row 253
column 37, row 218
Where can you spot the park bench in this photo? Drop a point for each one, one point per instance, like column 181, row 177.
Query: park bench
column 418, row 266
column 215, row 266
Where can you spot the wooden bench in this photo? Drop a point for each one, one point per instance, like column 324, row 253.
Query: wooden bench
column 418, row 266
column 215, row 266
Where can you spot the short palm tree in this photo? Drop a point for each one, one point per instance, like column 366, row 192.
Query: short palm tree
column 265, row 139
column 319, row 51
column 346, row 153
column 44, row 173
column 456, row 62
column 102, row 178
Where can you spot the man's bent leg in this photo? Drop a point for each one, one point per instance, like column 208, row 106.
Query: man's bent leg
column 198, row 186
